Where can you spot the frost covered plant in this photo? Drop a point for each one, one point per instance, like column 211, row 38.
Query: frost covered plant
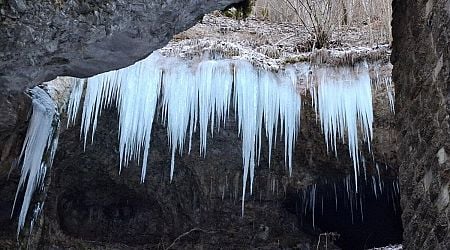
column 322, row 17
column 317, row 17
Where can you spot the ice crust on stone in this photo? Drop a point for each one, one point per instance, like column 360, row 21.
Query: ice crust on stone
column 38, row 149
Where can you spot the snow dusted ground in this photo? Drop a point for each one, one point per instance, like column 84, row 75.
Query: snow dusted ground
column 394, row 247
column 271, row 45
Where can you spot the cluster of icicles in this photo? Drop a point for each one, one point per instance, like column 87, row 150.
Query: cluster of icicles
column 195, row 98
column 341, row 191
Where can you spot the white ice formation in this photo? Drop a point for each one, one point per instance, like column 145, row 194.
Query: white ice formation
column 200, row 96
column 38, row 149
column 192, row 96
column 344, row 103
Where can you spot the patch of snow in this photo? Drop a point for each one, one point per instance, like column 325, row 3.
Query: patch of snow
column 390, row 247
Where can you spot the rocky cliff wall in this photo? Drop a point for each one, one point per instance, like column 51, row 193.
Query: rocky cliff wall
column 40, row 40
column 421, row 74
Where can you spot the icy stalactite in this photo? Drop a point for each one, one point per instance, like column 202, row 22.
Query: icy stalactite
column 270, row 109
column 179, row 91
column 200, row 95
column 246, row 106
column 138, row 89
column 338, row 194
column 214, row 80
column 38, row 149
column 194, row 95
column 98, row 93
column 134, row 90
column 344, row 105
column 290, row 105
column 390, row 93
column 74, row 101
column 37, row 211
column 381, row 78
column 272, row 99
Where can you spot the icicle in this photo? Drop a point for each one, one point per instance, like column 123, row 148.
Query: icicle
column 290, row 105
column 178, row 90
column 214, row 83
column 374, row 187
column 34, row 217
column 74, row 101
column 390, row 93
column 246, row 104
column 135, row 90
column 95, row 96
column 379, row 177
column 270, row 101
column 313, row 205
column 361, row 207
column 344, row 100
column 202, row 95
column 139, row 88
column 40, row 139
column 335, row 196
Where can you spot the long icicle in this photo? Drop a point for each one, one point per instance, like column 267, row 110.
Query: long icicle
column 40, row 141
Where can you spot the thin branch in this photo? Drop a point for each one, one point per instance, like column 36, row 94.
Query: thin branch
column 187, row 233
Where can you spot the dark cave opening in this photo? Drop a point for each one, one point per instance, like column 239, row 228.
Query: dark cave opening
column 365, row 219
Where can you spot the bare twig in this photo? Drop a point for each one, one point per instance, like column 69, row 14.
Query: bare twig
column 187, row 233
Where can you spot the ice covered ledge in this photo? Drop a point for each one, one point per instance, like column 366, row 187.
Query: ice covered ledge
column 267, row 45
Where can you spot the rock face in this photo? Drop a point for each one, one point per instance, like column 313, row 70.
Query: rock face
column 421, row 74
column 44, row 39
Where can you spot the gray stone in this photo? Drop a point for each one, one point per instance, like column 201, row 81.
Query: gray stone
column 82, row 38
column 421, row 74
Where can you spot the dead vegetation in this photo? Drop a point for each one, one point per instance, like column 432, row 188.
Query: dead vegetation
column 272, row 45
column 322, row 18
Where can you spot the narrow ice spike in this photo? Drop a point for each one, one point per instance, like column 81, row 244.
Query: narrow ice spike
column 177, row 101
column 39, row 140
column 74, row 101
column 246, row 105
